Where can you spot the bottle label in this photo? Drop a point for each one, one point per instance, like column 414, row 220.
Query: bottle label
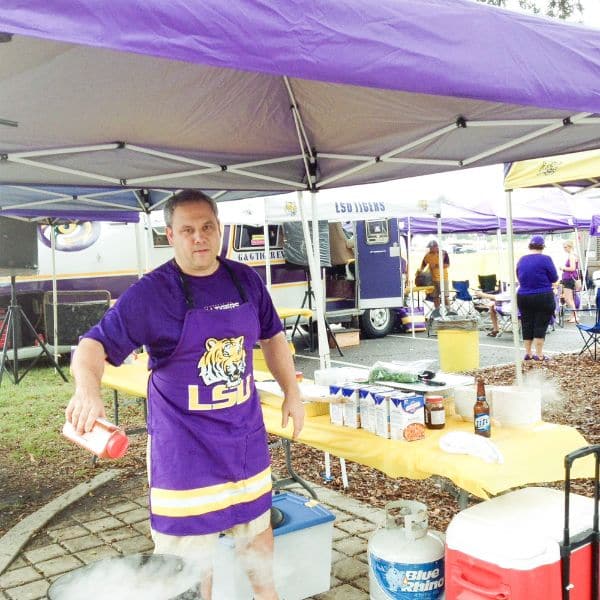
column 408, row 581
column 482, row 423
column 438, row 417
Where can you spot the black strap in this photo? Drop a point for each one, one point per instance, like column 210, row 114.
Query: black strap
column 189, row 300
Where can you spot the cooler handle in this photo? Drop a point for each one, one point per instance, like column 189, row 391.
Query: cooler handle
column 566, row 546
column 501, row 592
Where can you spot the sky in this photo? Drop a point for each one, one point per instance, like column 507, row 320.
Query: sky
column 591, row 13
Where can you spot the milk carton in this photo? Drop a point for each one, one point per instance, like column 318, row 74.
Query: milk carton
column 351, row 404
column 381, row 413
column 367, row 405
column 365, row 399
column 407, row 416
column 336, row 407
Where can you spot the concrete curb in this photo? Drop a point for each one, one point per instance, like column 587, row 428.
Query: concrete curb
column 14, row 539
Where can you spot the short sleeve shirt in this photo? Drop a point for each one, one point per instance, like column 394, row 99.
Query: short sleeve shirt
column 152, row 311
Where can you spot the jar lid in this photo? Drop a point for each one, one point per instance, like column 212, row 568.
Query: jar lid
column 117, row 444
column 434, row 399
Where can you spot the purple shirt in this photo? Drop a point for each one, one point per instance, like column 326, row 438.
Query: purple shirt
column 536, row 274
column 571, row 274
column 151, row 312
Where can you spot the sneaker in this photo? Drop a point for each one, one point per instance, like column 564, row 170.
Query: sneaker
column 528, row 357
column 540, row 358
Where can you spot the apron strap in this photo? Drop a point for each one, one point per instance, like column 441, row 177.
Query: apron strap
column 189, row 300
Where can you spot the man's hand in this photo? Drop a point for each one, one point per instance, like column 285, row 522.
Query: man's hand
column 83, row 410
column 86, row 404
column 292, row 407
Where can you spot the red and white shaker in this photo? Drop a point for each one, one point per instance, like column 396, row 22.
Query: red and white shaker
column 105, row 440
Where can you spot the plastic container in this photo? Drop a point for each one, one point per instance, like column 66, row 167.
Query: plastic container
column 301, row 558
column 517, row 406
column 464, row 399
column 105, row 440
column 458, row 344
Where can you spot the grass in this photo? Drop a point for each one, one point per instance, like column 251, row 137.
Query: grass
column 32, row 414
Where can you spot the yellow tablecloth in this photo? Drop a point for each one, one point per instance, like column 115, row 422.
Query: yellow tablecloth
column 532, row 455
column 286, row 313
column 129, row 378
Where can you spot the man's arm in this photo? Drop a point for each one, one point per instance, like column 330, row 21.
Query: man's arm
column 86, row 403
column 281, row 364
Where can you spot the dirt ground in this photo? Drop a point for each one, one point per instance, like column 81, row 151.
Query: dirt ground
column 570, row 389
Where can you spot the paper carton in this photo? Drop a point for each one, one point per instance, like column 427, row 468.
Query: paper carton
column 407, row 416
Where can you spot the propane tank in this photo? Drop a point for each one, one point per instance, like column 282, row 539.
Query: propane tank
column 406, row 563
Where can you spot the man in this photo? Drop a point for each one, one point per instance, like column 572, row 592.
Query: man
column 431, row 260
column 199, row 316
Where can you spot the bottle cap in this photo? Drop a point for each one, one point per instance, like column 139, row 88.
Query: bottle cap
column 117, row 445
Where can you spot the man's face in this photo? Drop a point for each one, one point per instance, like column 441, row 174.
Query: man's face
column 195, row 235
column 433, row 249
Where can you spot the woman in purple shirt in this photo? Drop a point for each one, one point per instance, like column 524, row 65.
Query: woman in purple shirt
column 536, row 274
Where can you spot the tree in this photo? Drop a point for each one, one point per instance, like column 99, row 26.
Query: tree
column 557, row 9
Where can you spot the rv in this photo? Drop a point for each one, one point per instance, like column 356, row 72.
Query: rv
column 363, row 283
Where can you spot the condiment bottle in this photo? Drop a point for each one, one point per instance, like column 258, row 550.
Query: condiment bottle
column 481, row 411
column 105, row 440
column 435, row 413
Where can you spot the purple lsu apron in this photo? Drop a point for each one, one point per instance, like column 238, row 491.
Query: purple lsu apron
column 210, row 464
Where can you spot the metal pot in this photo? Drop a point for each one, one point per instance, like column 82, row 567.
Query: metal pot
column 149, row 576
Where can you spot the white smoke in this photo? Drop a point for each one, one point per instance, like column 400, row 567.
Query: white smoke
column 162, row 577
column 547, row 385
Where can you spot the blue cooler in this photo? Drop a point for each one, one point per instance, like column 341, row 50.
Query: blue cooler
column 302, row 560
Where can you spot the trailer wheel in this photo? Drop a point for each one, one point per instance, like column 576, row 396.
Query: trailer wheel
column 376, row 322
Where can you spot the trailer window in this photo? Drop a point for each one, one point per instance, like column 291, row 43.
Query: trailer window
column 159, row 237
column 377, row 232
column 248, row 237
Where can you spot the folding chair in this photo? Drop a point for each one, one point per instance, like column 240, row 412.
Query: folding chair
column 504, row 312
column 591, row 333
column 488, row 284
column 463, row 303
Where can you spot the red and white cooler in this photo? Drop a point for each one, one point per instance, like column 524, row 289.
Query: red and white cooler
column 509, row 548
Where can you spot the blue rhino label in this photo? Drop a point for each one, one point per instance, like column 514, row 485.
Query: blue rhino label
column 407, row 581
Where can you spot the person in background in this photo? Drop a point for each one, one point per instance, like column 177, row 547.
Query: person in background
column 536, row 274
column 199, row 317
column 570, row 275
column 490, row 303
column 431, row 261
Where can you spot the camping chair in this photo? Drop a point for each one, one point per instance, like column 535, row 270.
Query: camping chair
column 504, row 312
column 463, row 303
column 488, row 284
column 591, row 333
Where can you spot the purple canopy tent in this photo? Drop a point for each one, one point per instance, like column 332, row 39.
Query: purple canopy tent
column 285, row 95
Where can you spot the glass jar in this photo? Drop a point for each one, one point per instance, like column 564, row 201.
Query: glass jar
column 435, row 413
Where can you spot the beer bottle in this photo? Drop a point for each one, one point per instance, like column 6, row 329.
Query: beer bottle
column 481, row 411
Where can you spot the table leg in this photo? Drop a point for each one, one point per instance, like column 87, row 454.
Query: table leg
column 461, row 496
column 293, row 476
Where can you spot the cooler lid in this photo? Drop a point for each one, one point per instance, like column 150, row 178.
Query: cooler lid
column 520, row 529
column 299, row 513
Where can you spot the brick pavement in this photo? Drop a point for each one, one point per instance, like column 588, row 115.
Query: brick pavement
column 121, row 527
